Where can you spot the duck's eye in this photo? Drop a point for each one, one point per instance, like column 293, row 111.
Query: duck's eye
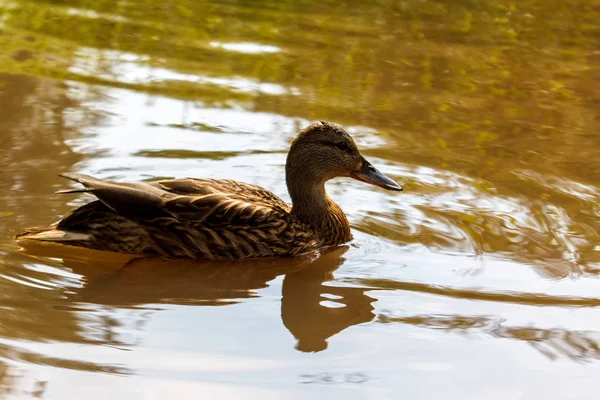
column 342, row 145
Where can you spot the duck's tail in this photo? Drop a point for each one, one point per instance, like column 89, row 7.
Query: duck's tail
column 51, row 234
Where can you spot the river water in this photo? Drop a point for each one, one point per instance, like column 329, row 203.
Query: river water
column 479, row 281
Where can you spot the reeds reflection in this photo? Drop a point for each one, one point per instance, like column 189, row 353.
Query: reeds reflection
column 553, row 343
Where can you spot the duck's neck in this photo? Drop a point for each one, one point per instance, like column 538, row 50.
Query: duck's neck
column 312, row 206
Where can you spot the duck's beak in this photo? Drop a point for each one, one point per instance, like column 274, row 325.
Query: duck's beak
column 368, row 173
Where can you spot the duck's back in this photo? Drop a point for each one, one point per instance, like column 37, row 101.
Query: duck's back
column 196, row 218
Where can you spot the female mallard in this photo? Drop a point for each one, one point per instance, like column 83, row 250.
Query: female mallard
column 222, row 219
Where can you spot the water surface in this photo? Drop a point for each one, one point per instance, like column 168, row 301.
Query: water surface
column 479, row 281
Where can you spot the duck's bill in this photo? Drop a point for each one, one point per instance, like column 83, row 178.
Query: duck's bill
column 369, row 174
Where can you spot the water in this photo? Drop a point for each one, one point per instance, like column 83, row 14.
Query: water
column 479, row 281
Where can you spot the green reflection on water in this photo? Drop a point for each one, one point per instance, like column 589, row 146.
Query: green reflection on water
column 418, row 71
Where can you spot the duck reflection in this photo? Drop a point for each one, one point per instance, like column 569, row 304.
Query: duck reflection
column 310, row 309
column 313, row 311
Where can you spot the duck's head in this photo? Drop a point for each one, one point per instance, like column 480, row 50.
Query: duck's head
column 323, row 151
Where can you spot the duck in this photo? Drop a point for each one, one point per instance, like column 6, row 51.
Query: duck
column 219, row 219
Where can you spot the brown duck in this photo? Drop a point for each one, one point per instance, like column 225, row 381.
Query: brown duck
column 221, row 219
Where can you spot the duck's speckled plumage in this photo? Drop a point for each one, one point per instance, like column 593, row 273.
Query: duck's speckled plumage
column 218, row 219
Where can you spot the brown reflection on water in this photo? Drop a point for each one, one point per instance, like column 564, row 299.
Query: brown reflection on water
column 32, row 142
column 126, row 282
column 16, row 354
column 536, row 299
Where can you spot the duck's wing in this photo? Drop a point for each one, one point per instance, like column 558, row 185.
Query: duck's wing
column 191, row 218
column 208, row 201
column 127, row 199
column 229, row 188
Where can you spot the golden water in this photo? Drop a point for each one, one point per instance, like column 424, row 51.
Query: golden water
column 479, row 281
